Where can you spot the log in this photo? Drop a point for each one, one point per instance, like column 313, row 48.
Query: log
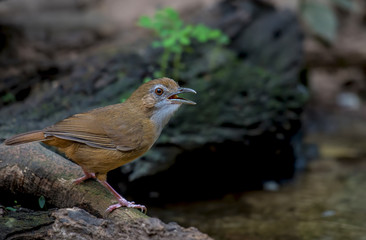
column 35, row 170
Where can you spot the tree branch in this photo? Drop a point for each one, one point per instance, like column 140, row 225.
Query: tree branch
column 33, row 169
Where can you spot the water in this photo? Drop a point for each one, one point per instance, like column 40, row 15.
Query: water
column 327, row 201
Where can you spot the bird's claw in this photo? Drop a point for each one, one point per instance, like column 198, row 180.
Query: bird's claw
column 125, row 203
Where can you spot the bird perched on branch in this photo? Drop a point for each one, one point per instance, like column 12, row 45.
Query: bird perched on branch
column 108, row 137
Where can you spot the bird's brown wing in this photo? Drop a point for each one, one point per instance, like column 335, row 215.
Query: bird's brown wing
column 86, row 128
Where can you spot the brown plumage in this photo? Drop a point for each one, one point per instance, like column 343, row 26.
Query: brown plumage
column 106, row 138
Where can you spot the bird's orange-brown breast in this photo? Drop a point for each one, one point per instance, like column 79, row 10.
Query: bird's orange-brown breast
column 105, row 138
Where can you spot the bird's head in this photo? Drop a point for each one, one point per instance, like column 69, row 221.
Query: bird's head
column 159, row 98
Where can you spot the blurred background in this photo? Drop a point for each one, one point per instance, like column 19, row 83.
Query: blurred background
column 275, row 147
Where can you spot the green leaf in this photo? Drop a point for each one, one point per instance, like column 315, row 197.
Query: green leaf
column 169, row 42
column 144, row 21
column 321, row 19
column 165, row 33
column 171, row 13
column 41, row 201
column 176, row 48
column 214, row 34
column 10, row 209
column 184, row 41
column 188, row 29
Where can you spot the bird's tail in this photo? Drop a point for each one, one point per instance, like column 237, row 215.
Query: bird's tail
column 27, row 137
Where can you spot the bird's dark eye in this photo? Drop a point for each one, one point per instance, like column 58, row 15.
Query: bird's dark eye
column 159, row 91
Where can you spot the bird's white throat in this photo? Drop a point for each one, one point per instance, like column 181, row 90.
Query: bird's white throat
column 162, row 115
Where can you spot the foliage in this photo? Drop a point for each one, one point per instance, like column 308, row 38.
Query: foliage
column 41, row 203
column 175, row 37
column 14, row 208
column 10, row 209
column 321, row 18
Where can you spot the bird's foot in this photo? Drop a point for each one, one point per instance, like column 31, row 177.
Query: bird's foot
column 124, row 203
column 82, row 179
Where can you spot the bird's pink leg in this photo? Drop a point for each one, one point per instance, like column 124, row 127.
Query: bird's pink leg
column 87, row 175
column 122, row 202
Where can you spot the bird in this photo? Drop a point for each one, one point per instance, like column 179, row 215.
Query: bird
column 106, row 138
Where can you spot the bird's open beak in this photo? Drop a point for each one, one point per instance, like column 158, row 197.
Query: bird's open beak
column 174, row 98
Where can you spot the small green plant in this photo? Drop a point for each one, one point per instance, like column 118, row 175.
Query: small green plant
column 175, row 37
column 14, row 208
